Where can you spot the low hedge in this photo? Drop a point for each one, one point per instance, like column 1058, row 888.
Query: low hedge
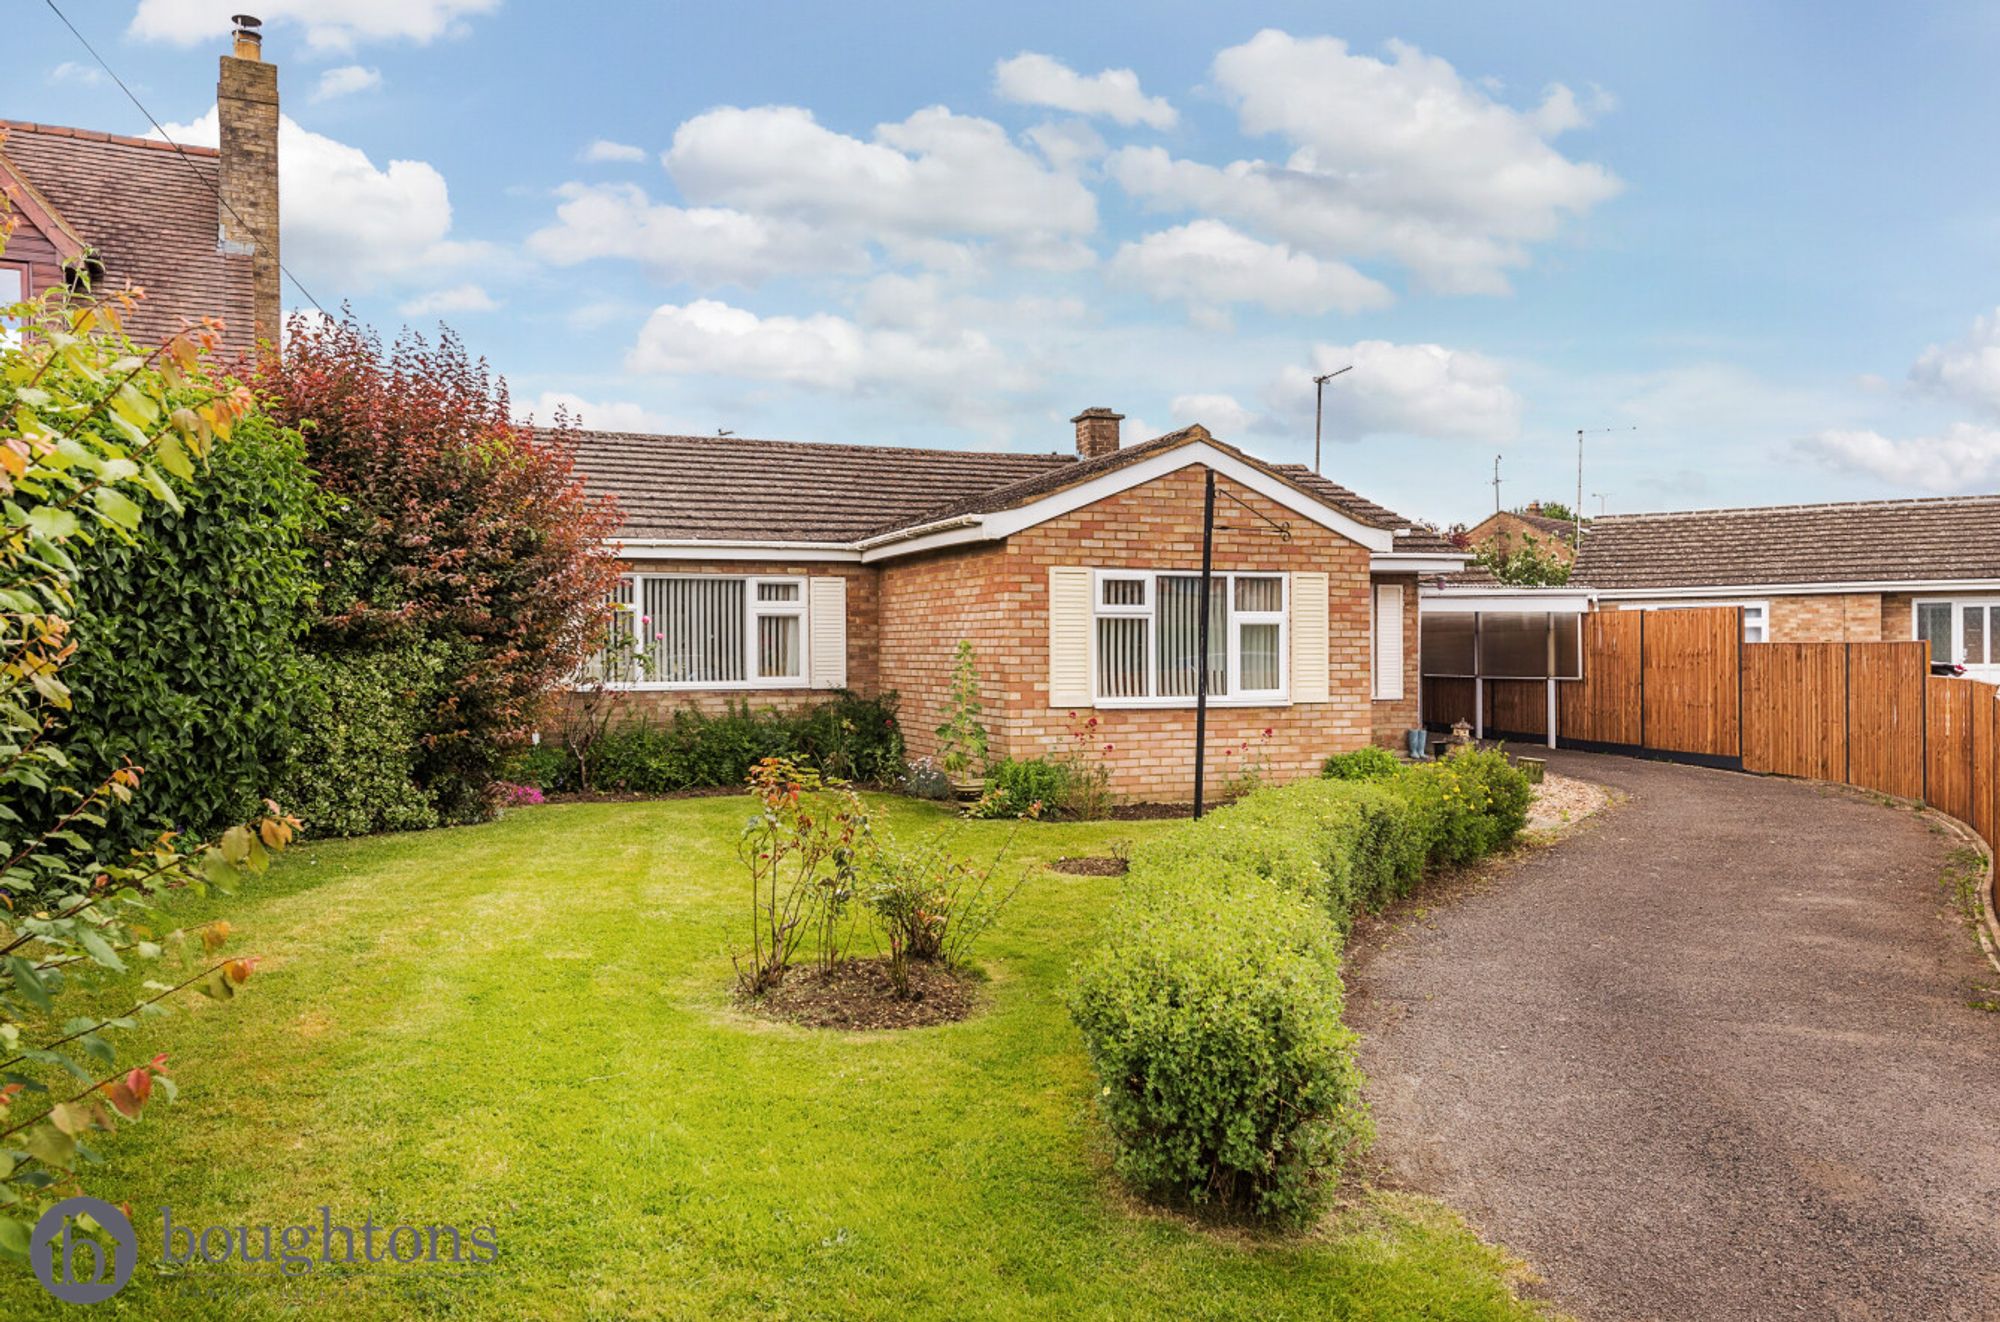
column 1212, row 1010
column 851, row 737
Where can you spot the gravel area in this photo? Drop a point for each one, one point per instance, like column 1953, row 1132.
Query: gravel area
column 1714, row 1057
column 1563, row 801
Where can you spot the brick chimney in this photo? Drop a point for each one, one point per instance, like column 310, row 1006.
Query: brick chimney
column 1097, row 432
column 1535, row 508
column 246, row 106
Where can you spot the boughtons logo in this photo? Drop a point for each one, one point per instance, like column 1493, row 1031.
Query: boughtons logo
column 73, row 1266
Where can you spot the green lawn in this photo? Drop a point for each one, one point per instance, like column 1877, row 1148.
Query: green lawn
column 528, row 1024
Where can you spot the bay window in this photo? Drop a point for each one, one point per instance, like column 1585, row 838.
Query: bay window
column 1148, row 631
column 706, row 631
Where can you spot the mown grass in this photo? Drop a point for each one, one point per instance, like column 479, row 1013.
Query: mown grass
column 529, row 1024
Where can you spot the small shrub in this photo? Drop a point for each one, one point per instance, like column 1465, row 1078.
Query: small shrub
column 1022, row 789
column 1370, row 763
column 853, row 738
column 1468, row 804
column 802, row 846
column 932, row 905
column 921, row 779
column 1086, row 768
column 547, row 767
column 1213, row 1019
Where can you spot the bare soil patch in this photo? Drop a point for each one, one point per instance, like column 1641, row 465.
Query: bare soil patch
column 857, row 994
column 1094, row 865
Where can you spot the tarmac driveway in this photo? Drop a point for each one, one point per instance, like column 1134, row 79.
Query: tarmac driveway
column 1716, row 1056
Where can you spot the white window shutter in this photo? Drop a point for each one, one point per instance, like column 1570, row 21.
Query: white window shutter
column 826, row 620
column 1311, row 680
column 1389, row 641
column 1070, row 611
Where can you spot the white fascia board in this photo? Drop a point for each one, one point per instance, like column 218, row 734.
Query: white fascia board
column 1005, row 523
column 1919, row 587
column 1418, row 562
column 1463, row 601
column 639, row 548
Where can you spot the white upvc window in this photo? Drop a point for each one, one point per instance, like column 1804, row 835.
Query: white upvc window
column 1959, row 629
column 13, row 289
column 706, row 631
column 1146, row 638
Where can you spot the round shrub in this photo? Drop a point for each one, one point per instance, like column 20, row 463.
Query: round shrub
column 1468, row 804
column 1213, row 1020
column 1369, row 763
column 1014, row 788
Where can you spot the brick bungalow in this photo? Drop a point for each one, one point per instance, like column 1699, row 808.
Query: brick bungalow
column 773, row 571
column 1867, row 571
column 196, row 229
column 1507, row 531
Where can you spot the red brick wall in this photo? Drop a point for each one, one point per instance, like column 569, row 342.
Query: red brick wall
column 863, row 582
column 997, row 596
column 1392, row 718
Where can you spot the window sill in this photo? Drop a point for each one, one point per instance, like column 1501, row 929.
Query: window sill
column 1187, row 704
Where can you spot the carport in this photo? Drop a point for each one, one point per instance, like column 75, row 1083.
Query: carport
column 1501, row 644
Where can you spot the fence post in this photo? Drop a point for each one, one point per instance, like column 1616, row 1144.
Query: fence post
column 1739, row 685
column 1642, row 678
column 1847, row 712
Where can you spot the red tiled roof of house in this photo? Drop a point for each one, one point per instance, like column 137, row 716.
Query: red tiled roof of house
column 709, row 488
column 1886, row 541
column 148, row 214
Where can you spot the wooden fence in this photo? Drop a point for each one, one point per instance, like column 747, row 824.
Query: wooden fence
column 1683, row 684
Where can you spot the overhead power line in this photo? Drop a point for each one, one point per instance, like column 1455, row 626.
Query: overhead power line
column 186, row 160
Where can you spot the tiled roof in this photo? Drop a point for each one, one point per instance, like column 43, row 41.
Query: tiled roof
column 730, row 488
column 147, row 216
column 1411, row 538
column 1891, row 541
column 736, row 489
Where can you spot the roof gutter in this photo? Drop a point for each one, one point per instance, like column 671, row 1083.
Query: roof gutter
column 1907, row 585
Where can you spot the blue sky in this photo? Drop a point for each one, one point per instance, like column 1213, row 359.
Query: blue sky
column 1759, row 241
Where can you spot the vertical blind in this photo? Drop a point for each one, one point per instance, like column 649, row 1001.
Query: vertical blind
column 1180, row 635
column 697, row 629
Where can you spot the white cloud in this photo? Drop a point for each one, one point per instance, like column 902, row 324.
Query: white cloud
column 919, row 188
column 706, row 245
column 347, row 224
column 458, row 298
column 1040, row 80
column 1208, row 263
column 1967, row 371
column 1403, row 390
column 330, row 25
column 1067, row 144
column 1221, row 414
column 1399, row 158
column 603, row 149
column 1964, row 458
column 346, row 80
column 69, row 71
column 598, row 415
column 821, row 351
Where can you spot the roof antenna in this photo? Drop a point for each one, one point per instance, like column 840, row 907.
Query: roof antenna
column 723, row 431
column 1495, row 484
column 1319, row 407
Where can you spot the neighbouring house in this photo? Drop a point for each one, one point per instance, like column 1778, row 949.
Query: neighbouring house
column 1866, row 571
column 196, row 228
column 1504, row 532
column 774, row 571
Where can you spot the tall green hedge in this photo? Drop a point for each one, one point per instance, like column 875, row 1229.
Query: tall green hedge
column 187, row 642
column 354, row 763
column 1212, row 1009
